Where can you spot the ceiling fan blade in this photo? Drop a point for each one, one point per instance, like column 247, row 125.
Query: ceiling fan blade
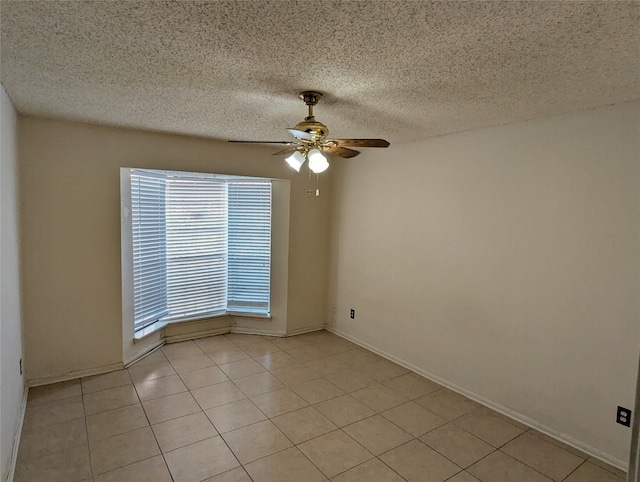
column 285, row 152
column 283, row 143
column 342, row 151
column 362, row 142
column 301, row 134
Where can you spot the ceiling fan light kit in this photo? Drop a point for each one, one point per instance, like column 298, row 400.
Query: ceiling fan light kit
column 311, row 141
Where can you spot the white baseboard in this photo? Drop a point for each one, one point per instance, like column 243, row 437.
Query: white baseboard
column 77, row 374
column 138, row 357
column 518, row 417
column 17, row 435
column 194, row 335
column 307, row 329
column 255, row 331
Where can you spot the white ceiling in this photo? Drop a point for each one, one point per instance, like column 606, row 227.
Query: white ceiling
column 399, row 70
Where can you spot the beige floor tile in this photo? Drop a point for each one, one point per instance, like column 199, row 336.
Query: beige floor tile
column 170, row 407
column 124, row 449
column 457, row 445
column 234, row 475
column 379, row 397
column 278, row 402
column 149, row 371
column 279, row 359
column 603, row 465
column 383, row 370
column 562, row 445
column 499, row 466
column 69, row 465
column 260, row 348
column 200, row 460
column 290, row 465
column 289, row 343
column 54, row 392
column 377, row 434
column 256, row 441
column 411, row 385
column 190, row 363
column 152, row 469
column 414, row 419
column 373, row 470
column 110, row 399
column 43, row 414
column 589, row 472
column 335, row 347
column 449, row 405
column 181, row 350
column 218, row 394
column 350, row 381
column 295, row 374
column 304, row 424
column 114, row 422
column 543, row 456
column 242, row 368
column 418, row 463
column 258, row 384
column 227, row 355
column 241, row 339
column 160, row 387
column 344, row 410
column 306, row 353
column 203, row 377
column 327, row 366
column 119, row 378
column 335, row 452
column 182, row 431
column 318, row 390
column 214, row 343
column 52, row 438
column 490, row 428
column 463, row 477
column 234, row 415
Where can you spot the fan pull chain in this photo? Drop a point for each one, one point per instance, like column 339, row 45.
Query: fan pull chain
column 309, row 185
column 317, row 185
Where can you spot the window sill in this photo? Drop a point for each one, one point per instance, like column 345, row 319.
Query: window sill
column 148, row 330
column 159, row 325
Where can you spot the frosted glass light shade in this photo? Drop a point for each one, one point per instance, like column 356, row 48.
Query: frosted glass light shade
column 317, row 162
column 296, row 160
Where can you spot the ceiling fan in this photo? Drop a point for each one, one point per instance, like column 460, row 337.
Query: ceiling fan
column 311, row 141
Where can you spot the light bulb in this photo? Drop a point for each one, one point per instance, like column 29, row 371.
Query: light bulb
column 296, row 160
column 317, row 162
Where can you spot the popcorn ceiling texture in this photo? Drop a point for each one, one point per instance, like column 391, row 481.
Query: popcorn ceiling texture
column 400, row 70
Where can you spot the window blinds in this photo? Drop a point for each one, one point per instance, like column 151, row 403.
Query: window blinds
column 149, row 247
column 196, row 246
column 201, row 246
column 249, row 234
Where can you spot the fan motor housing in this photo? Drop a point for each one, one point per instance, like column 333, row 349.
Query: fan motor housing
column 317, row 129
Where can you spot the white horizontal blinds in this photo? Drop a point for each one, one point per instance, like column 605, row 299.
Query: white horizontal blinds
column 196, row 246
column 249, row 226
column 149, row 247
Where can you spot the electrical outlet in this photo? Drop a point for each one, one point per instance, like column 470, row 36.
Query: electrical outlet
column 624, row 416
column 352, row 314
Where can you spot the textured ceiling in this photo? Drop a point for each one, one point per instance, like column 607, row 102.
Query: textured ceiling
column 400, row 70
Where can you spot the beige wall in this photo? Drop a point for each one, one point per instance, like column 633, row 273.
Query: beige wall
column 11, row 381
column 70, row 191
column 506, row 262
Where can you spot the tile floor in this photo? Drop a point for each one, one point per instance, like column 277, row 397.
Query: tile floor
column 314, row 407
